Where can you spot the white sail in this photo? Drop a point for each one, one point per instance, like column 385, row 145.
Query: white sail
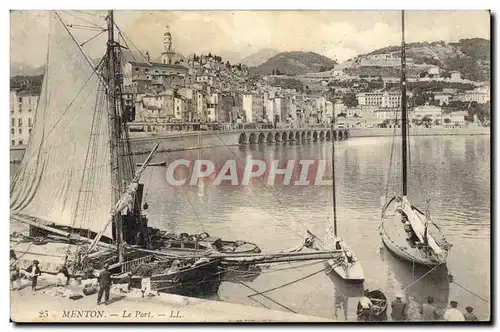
column 64, row 177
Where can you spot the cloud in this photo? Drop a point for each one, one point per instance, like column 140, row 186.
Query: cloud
column 336, row 34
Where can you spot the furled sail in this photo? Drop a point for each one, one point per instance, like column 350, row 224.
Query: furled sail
column 64, row 177
column 418, row 222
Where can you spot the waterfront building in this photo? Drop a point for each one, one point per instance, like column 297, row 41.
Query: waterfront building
column 455, row 119
column 427, row 111
column 380, row 98
column 212, row 103
column 23, row 105
column 253, row 107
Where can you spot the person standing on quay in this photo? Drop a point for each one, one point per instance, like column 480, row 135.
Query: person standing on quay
column 104, row 285
column 429, row 311
column 453, row 314
column 469, row 315
column 398, row 309
column 34, row 272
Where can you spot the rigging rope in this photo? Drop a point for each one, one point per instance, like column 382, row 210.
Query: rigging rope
column 82, row 19
column 289, row 283
column 265, row 296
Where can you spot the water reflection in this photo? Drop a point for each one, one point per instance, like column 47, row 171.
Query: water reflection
column 418, row 282
column 342, row 294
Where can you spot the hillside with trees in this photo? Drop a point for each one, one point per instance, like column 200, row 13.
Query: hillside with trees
column 294, row 63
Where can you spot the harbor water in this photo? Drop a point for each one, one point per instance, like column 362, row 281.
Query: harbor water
column 453, row 171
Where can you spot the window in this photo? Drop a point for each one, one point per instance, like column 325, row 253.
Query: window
column 12, row 142
column 146, row 70
column 20, row 122
column 20, row 131
column 13, row 122
column 30, row 122
column 136, row 69
column 21, row 142
column 20, row 99
column 12, row 131
column 29, row 131
column 29, row 110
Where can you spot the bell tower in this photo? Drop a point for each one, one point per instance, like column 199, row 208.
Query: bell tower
column 167, row 56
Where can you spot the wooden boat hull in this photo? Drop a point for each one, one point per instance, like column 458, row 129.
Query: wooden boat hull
column 394, row 238
column 196, row 281
column 352, row 274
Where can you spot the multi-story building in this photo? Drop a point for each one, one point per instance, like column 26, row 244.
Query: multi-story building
column 212, row 107
column 253, row 107
column 23, row 106
column 380, row 98
column 443, row 98
column 480, row 95
column 141, row 77
column 429, row 111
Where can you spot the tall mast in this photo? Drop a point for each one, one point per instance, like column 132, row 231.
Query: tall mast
column 404, row 119
column 116, row 183
column 334, row 199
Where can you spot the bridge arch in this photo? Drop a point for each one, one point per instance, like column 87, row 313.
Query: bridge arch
column 253, row 138
column 270, row 138
column 284, row 136
column 346, row 134
column 242, row 139
column 297, row 136
column 315, row 135
column 334, row 135
column 290, row 136
column 303, row 136
column 328, row 135
column 277, row 137
column 262, row 138
column 340, row 135
column 322, row 135
column 309, row 135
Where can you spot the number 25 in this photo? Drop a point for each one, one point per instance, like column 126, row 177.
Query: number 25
column 43, row 314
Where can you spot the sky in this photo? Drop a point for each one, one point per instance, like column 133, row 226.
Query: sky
column 236, row 34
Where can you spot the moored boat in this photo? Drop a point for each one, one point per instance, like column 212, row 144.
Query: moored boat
column 406, row 231
column 378, row 308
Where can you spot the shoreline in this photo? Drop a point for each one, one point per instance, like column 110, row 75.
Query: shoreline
column 52, row 304
column 142, row 143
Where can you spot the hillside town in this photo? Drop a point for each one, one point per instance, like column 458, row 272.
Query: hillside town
column 171, row 93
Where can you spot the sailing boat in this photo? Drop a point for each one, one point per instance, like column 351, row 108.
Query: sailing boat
column 77, row 184
column 406, row 231
column 346, row 266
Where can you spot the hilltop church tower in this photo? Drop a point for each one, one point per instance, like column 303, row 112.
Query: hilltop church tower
column 167, row 56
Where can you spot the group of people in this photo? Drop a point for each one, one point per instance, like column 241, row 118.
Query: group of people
column 32, row 272
column 16, row 273
column 413, row 311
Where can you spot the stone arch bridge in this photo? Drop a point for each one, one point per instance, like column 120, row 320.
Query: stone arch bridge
column 256, row 136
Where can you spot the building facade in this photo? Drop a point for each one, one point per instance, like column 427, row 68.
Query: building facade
column 23, row 106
